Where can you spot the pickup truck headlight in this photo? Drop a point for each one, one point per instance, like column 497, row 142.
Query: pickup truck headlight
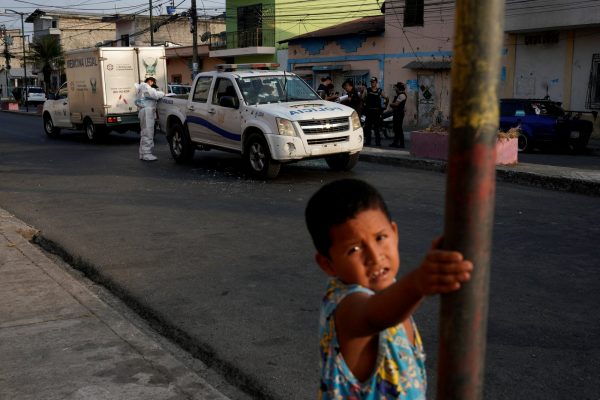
column 355, row 120
column 285, row 127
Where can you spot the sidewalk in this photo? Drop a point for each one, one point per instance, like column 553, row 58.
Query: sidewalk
column 576, row 180
column 58, row 340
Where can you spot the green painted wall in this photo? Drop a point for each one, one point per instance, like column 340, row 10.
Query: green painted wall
column 296, row 17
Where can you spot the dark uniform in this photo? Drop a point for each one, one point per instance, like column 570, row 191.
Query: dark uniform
column 398, row 105
column 373, row 109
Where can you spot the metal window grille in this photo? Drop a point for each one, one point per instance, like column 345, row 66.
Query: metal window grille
column 593, row 94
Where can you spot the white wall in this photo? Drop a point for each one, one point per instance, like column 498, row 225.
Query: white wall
column 551, row 14
column 538, row 67
column 587, row 42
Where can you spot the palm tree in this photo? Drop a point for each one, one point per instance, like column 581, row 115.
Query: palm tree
column 47, row 53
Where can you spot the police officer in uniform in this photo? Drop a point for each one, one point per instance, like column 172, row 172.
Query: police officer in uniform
column 375, row 101
column 397, row 106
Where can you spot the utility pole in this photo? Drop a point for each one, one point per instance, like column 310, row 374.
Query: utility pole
column 24, row 59
column 471, row 184
column 7, row 42
column 194, row 29
column 151, row 27
column 24, row 55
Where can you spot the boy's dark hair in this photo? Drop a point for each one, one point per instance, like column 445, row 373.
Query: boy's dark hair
column 336, row 203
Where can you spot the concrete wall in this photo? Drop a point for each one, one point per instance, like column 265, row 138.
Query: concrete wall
column 586, row 43
column 540, row 69
column 431, row 42
column 16, row 49
column 550, row 14
column 293, row 18
column 340, row 58
column 177, row 32
column 79, row 33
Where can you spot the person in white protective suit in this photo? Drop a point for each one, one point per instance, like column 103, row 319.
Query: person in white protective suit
column 146, row 97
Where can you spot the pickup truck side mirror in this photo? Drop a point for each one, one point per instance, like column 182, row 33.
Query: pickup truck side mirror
column 229, row 102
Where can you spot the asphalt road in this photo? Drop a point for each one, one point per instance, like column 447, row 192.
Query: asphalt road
column 226, row 264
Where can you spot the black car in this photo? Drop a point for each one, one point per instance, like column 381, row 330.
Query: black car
column 544, row 122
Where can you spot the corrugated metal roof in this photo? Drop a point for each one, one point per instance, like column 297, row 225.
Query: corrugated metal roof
column 428, row 65
column 365, row 26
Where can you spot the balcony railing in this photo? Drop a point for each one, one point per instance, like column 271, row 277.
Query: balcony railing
column 240, row 39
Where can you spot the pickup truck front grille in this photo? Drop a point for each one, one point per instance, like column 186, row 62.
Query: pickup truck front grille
column 320, row 126
column 328, row 140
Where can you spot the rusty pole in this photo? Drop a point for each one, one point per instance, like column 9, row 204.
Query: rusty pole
column 470, row 193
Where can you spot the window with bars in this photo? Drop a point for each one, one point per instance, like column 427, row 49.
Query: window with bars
column 593, row 95
column 413, row 12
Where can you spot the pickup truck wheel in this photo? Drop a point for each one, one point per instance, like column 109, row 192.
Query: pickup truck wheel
column 342, row 162
column 258, row 158
column 180, row 144
column 49, row 127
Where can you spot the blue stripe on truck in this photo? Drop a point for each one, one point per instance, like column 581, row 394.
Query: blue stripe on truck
column 214, row 128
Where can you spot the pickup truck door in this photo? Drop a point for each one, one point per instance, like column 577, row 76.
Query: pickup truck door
column 224, row 122
column 60, row 108
column 197, row 112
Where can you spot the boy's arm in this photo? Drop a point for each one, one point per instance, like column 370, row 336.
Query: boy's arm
column 361, row 315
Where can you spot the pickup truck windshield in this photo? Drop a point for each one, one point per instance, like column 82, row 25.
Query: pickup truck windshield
column 272, row 89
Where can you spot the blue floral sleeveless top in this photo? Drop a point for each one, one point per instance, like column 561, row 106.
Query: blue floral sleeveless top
column 400, row 368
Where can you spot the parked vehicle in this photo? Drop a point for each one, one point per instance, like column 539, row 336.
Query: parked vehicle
column 33, row 95
column 179, row 89
column 269, row 117
column 544, row 122
column 99, row 95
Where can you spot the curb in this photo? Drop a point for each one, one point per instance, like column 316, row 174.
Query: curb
column 503, row 174
column 158, row 322
column 181, row 379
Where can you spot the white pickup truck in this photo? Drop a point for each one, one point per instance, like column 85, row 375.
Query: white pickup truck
column 270, row 117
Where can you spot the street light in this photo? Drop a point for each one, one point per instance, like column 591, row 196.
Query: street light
column 24, row 59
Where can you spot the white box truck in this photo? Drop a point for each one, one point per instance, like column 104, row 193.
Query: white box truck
column 99, row 94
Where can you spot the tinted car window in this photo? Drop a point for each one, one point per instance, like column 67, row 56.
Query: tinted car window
column 202, row 88
column 223, row 87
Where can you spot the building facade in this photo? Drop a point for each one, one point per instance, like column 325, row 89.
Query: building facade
column 11, row 62
column 353, row 50
column 73, row 30
column 550, row 51
column 168, row 30
column 256, row 31
column 174, row 33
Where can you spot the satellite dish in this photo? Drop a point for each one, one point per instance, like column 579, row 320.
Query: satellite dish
column 205, row 36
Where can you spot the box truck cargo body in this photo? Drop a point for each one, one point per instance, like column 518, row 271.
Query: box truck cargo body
column 100, row 92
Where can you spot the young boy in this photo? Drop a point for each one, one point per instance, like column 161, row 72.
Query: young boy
column 370, row 346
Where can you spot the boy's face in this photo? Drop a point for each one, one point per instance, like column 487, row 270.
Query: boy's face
column 364, row 251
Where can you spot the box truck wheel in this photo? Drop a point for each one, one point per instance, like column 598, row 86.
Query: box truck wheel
column 258, row 158
column 180, row 144
column 49, row 127
column 94, row 132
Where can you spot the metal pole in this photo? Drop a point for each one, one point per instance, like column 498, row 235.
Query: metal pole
column 24, row 60
column 470, row 193
column 194, row 39
column 151, row 28
column 7, row 58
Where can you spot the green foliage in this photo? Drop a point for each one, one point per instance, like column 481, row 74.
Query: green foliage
column 47, row 53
